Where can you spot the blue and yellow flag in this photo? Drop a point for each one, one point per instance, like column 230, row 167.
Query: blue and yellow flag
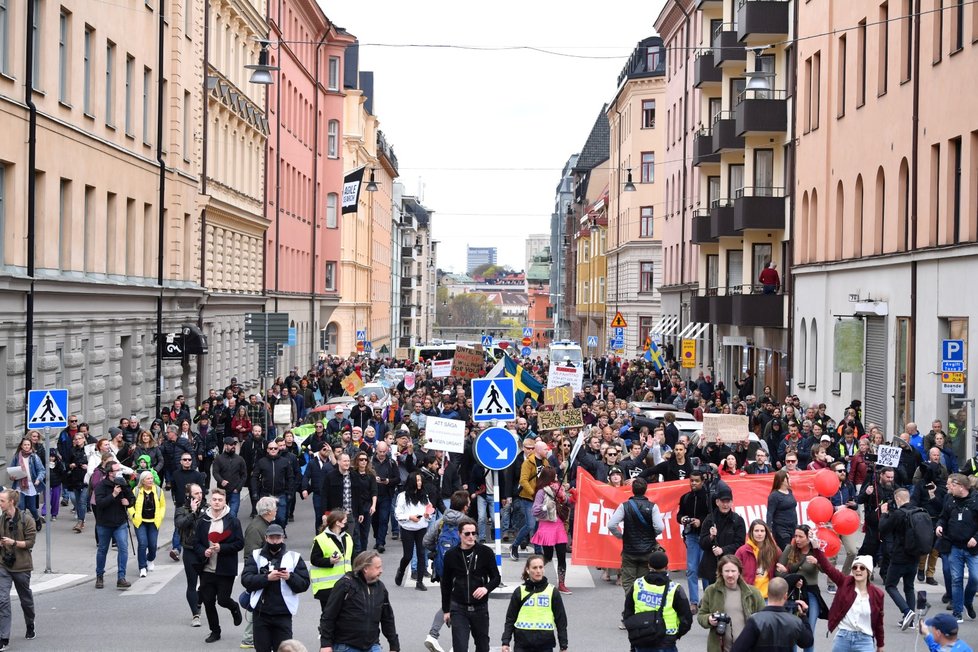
column 653, row 354
column 526, row 385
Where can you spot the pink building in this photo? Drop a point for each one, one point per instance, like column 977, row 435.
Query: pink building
column 304, row 170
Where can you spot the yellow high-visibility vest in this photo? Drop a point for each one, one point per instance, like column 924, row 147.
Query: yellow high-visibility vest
column 325, row 578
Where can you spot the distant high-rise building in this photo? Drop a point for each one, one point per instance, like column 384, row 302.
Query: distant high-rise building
column 476, row 256
column 535, row 244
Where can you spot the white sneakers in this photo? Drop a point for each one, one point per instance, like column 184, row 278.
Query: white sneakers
column 195, row 622
column 142, row 572
column 431, row 644
column 151, row 566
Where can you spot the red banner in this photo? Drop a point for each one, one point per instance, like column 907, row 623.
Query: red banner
column 594, row 545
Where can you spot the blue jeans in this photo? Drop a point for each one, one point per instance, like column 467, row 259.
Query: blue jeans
column 282, row 512
column 382, row 519
column 234, row 502
column 812, row 616
column 29, row 503
column 960, row 594
column 482, row 510
column 529, row 521
column 80, row 498
column 694, row 554
column 850, row 641
column 343, row 647
column 105, row 535
column 146, row 535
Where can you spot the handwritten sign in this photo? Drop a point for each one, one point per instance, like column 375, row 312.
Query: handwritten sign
column 352, row 384
column 468, row 362
column 565, row 375
column 729, row 428
column 560, row 419
column 445, row 434
column 558, row 395
column 441, row 368
column 888, row 456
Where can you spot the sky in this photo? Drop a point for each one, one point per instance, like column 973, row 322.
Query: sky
column 482, row 136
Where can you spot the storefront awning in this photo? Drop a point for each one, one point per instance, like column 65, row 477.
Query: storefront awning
column 693, row 331
column 666, row 325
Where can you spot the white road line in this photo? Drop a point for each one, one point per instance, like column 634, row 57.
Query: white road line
column 152, row 583
column 52, row 583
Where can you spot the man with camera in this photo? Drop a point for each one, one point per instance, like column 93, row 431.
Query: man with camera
column 112, row 498
column 17, row 534
column 777, row 627
column 694, row 507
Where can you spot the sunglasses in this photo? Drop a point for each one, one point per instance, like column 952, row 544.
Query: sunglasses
column 467, row 534
column 856, row 567
column 185, row 459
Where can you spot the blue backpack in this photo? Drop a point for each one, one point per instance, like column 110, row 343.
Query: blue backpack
column 448, row 538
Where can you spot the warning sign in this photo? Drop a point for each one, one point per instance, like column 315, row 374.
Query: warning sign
column 619, row 321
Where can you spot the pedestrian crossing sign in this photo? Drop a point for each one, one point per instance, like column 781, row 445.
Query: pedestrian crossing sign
column 46, row 408
column 493, row 398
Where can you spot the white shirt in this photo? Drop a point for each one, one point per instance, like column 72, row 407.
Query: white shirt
column 859, row 616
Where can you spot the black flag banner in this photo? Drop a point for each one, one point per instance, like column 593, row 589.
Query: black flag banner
column 351, row 190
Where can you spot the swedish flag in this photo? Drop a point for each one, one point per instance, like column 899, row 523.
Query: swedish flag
column 653, row 354
column 526, row 385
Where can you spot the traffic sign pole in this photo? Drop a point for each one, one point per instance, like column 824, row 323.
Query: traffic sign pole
column 495, row 519
column 47, row 501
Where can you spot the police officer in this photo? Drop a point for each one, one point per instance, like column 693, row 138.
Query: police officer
column 331, row 556
column 535, row 612
column 656, row 592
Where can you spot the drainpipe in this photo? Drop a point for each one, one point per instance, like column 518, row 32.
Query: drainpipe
column 31, row 196
column 912, row 209
column 790, row 250
column 161, row 227
column 203, row 191
column 313, row 330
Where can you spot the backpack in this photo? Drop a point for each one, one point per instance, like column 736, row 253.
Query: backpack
column 448, row 538
column 919, row 537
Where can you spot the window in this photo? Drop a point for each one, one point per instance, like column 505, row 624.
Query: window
column 130, row 72
column 601, row 290
column 861, row 64
column 88, row 235
column 332, row 199
column 188, row 18
column 816, row 91
column 87, row 69
column 334, row 74
column 765, row 63
column 906, row 38
column 64, row 224
column 36, row 28
column 808, row 88
column 648, row 167
column 840, row 109
column 712, row 271
column 333, row 139
column 735, row 269
column 330, row 276
column 187, row 126
column 147, row 84
column 3, row 196
column 646, row 226
column 938, row 30
column 646, row 278
column 648, row 114
column 760, row 256
column 955, row 183
column 763, row 172
column 958, row 18
column 884, row 49
column 109, row 82
column 64, row 26
column 3, row 37
column 653, row 58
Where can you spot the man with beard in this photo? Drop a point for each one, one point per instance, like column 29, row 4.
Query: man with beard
column 337, row 492
column 230, row 473
column 874, row 493
column 721, row 533
column 677, row 467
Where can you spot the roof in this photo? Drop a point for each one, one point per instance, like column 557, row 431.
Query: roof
column 539, row 271
column 597, row 147
column 507, row 298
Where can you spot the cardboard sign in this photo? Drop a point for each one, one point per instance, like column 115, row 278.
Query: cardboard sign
column 560, row 419
column 445, row 434
column 888, row 456
column 409, row 381
column 352, row 383
column 558, row 395
column 469, row 362
column 565, row 375
column 441, row 368
column 729, row 428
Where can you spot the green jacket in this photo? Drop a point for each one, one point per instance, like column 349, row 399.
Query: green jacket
column 712, row 602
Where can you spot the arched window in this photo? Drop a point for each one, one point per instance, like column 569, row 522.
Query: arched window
column 813, row 228
column 802, row 246
column 839, row 221
column 802, row 353
column 857, row 219
column 879, row 216
column 903, row 202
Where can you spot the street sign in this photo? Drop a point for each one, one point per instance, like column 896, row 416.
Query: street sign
column 368, row 346
column 526, row 352
column 361, row 335
column 273, row 325
column 618, row 333
column 952, row 355
column 952, row 377
column 952, row 388
column 617, row 343
column 47, row 408
column 592, row 341
column 293, row 336
column 172, row 346
column 486, row 341
column 527, row 331
column 688, row 354
column 445, row 434
column 496, row 448
column 526, row 341
column 619, row 321
column 493, row 398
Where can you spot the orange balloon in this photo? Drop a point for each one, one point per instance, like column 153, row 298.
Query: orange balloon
column 820, row 510
column 826, row 483
column 845, row 521
column 831, row 542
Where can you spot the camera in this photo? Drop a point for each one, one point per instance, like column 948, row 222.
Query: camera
column 686, row 520
column 120, row 481
column 9, row 558
column 722, row 621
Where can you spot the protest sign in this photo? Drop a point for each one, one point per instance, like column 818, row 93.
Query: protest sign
column 468, row 362
column 726, row 428
column 559, row 419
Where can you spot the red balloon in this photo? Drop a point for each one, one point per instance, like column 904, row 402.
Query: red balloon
column 826, row 483
column 820, row 510
column 845, row 521
column 830, row 541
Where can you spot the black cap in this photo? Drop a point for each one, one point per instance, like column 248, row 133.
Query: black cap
column 724, row 493
column 228, row 441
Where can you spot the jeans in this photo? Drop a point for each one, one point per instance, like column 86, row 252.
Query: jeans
column 381, row 519
column 812, row 616
column 482, row 510
column 146, row 535
column 960, row 594
column 282, row 512
column 694, row 554
column 55, row 502
column 343, row 647
column 907, row 572
column 437, row 622
column 234, row 502
column 80, row 498
column 175, row 540
column 22, row 582
column 849, row 641
column 30, row 504
column 465, row 622
column 529, row 521
column 193, row 576
column 106, row 534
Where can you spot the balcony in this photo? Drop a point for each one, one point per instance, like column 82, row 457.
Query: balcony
column 758, row 208
column 701, row 229
column 727, row 49
column 722, row 219
column 404, row 342
column 721, row 308
column 703, row 148
column 709, row 4
column 761, row 21
column 704, row 70
column 409, row 312
column 764, row 310
column 407, row 253
column 407, row 283
column 700, row 309
column 725, row 138
column 761, row 113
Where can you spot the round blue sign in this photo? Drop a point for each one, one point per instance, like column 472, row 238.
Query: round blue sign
column 526, row 352
column 496, row 448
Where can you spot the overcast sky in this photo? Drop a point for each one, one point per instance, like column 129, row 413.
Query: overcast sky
column 483, row 135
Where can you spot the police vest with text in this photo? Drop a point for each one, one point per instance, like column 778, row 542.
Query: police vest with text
column 325, row 578
column 657, row 597
column 536, row 613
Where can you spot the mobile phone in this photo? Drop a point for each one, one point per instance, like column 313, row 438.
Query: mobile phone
column 281, row 569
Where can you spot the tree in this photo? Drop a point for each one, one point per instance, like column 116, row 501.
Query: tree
column 470, row 310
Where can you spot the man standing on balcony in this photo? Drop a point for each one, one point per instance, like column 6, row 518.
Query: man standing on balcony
column 769, row 278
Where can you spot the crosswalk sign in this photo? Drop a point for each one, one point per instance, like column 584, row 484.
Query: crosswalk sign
column 592, row 341
column 493, row 398
column 47, row 408
column 527, row 331
column 486, row 341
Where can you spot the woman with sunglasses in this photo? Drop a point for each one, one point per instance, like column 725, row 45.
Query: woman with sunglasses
column 759, row 555
column 364, row 481
column 799, row 558
column 532, row 620
column 857, row 610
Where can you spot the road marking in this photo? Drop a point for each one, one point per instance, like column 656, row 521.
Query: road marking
column 155, row 581
column 52, row 583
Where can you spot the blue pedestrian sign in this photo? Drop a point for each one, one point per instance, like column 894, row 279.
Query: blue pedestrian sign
column 526, row 352
column 486, row 341
column 361, row 336
column 592, row 341
column 496, row 448
column 493, row 398
column 47, row 408
column 952, row 355
column 368, row 346
column 527, row 331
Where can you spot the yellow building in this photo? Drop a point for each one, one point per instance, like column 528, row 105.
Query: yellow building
column 592, row 271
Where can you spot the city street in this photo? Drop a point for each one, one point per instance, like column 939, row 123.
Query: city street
column 153, row 614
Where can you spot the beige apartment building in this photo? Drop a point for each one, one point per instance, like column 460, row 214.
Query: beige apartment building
column 886, row 210
column 100, row 241
column 635, row 215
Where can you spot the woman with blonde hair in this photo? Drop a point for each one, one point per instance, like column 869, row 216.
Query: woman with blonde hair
column 759, row 555
column 147, row 516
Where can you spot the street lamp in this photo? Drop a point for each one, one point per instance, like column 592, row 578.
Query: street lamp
column 372, row 184
column 262, row 71
column 629, row 185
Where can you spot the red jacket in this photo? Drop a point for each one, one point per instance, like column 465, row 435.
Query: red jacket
column 747, row 554
column 845, row 595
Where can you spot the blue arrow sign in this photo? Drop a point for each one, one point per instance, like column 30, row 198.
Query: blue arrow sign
column 493, row 398
column 486, row 341
column 496, row 448
column 47, row 408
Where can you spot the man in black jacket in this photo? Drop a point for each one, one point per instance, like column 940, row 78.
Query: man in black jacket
column 359, row 608
column 252, row 450
column 217, row 544
column 360, row 413
column 338, row 492
column 721, row 534
column 694, row 507
column 319, row 465
column 774, row 628
column 388, row 479
column 643, row 523
column 274, row 476
column 470, row 575
column 230, row 473
column 112, row 498
column 903, row 564
column 184, row 475
column 958, row 527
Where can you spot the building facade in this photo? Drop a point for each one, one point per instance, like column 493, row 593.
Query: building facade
column 476, row 256
column 540, row 316
column 561, row 249
column 635, row 217
column 98, row 239
column 535, row 244
column 887, row 235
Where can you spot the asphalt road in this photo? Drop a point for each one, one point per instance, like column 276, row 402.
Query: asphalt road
column 153, row 615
